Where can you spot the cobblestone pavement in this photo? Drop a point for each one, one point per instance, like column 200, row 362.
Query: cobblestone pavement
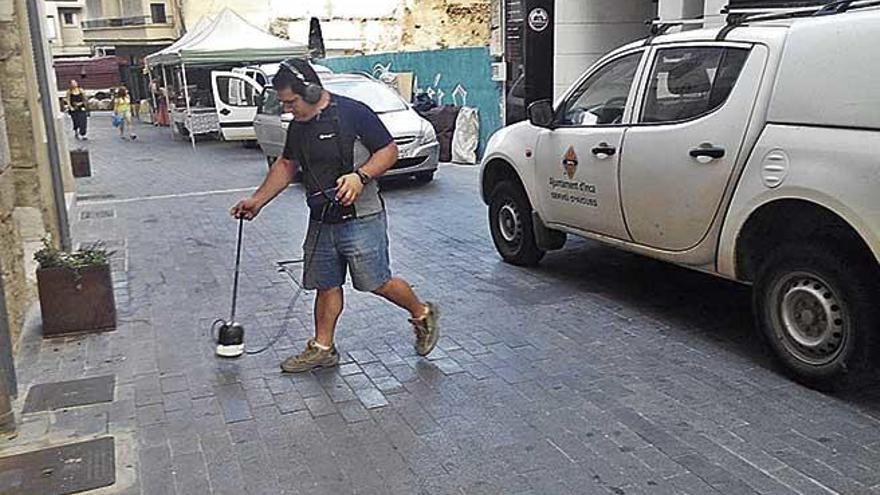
column 599, row 372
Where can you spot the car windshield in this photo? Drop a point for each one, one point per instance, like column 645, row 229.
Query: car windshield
column 376, row 95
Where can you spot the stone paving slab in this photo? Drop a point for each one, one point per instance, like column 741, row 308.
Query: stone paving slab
column 598, row 372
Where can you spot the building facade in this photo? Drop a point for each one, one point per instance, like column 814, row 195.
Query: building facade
column 29, row 210
column 131, row 30
column 64, row 28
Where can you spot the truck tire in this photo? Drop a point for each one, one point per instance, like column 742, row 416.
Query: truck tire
column 817, row 308
column 510, row 221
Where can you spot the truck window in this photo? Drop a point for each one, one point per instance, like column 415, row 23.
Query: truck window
column 602, row 98
column 235, row 92
column 689, row 82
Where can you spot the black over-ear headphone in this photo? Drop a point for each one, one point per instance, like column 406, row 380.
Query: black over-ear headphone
column 311, row 82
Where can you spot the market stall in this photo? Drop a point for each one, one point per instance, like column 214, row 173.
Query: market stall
column 205, row 91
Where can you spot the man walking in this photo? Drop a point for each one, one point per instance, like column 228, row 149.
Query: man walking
column 342, row 147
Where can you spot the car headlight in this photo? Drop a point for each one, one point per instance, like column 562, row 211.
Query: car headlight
column 428, row 134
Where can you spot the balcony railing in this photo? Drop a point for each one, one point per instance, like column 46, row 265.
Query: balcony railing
column 112, row 22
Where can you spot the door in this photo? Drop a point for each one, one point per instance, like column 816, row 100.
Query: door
column 269, row 126
column 235, row 100
column 577, row 161
column 680, row 154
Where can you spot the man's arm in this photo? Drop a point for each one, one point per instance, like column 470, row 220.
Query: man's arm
column 276, row 180
column 349, row 186
column 279, row 177
column 381, row 161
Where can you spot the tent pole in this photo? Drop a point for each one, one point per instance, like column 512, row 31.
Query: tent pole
column 192, row 135
column 152, row 94
column 168, row 102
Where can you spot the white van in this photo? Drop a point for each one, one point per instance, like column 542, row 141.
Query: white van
column 236, row 97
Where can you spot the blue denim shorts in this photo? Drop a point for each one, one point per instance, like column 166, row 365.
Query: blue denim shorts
column 359, row 245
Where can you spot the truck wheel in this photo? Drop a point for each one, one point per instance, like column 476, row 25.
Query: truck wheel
column 817, row 308
column 510, row 220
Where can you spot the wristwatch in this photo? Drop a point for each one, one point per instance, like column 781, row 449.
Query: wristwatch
column 365, row 178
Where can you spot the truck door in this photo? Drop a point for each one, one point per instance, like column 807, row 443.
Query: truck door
column 680, row 152
column 577, row 160
column 235, row 100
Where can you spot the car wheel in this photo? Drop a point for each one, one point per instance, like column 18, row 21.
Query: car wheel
column 510, row 221
column 817, row 309
column 425, row 177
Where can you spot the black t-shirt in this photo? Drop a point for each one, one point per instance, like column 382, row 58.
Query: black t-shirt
column 314, row 142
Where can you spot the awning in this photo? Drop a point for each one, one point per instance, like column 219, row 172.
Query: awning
column 226, row 39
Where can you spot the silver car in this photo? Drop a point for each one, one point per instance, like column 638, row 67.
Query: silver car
column 415, row 136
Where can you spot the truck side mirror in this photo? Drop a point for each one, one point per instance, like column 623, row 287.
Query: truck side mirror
column 541, row 114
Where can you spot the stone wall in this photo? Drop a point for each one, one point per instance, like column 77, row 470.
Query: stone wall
column 27, row 207
column 433, row 24
column 353, row 27
column 17, row 292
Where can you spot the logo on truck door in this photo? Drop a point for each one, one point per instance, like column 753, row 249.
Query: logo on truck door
column 570, row 162
column 571, row 191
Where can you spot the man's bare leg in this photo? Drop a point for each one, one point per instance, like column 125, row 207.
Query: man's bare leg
column 328, row 307
column 399, row 292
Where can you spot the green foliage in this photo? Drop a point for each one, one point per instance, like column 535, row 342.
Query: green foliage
column 89, row 255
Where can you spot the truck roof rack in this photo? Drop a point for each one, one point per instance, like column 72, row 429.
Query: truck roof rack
column 738, row 19
column 659, row 27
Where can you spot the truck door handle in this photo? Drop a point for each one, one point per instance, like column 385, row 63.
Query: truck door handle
column 706, row 153
column 225, row 111
column 603, row 151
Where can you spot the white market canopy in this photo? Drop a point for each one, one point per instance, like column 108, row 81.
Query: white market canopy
column 226, row 39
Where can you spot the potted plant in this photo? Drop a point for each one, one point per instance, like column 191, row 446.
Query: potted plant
column 76, row 290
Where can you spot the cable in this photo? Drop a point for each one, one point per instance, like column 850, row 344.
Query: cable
column 308, row 259
column 307, row 263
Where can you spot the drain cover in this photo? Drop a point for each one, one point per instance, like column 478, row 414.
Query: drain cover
column 61, row 470
column 94, row 197
column 58, row 395
column 97, row 214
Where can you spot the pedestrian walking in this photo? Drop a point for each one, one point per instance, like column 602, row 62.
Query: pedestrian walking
column 163, row 118
column 122, row 113
column 77, row 107
column 342, row 148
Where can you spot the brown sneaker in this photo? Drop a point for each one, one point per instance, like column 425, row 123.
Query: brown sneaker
column 310, row 359
column 427, row 330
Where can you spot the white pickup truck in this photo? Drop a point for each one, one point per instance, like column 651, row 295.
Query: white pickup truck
column 750, row 152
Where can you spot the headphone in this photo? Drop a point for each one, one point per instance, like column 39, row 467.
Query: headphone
column 300, row 68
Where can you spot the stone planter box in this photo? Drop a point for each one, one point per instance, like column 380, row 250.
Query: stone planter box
column 73, row 305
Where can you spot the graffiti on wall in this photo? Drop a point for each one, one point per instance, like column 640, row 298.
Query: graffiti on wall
column 383, row 72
